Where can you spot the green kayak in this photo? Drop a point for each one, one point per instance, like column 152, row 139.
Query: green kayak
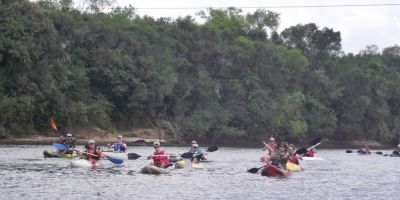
column 47, row 154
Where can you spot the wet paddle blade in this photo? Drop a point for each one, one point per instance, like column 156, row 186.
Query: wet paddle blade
column 59, row 146
column 301, row 151
column 115, row 161
column 212, row 149
column 133, row 156
column 187, row 155
column 253, row 170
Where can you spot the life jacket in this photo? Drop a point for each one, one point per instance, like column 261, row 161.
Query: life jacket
column 70, row 144
column 118, row 147
column 96, row 155
column 160, row 159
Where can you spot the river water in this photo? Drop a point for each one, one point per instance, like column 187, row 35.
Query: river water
column 25, row 174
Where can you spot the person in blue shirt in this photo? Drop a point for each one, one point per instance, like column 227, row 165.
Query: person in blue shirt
column 197, row 153
column 70, row 143
column 119, row 146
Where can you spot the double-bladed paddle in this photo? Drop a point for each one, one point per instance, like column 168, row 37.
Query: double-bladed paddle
column 313, row 144
column 188, row 155
column 113, row 160
column 255, row 169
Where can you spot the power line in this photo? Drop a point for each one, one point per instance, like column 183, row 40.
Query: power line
column 283, row 6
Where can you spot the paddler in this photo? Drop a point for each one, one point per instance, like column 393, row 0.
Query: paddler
column 311, row 152
column 366, row 149
column 92, row 152
column 280, row 156
column 119, row 146
column 160, row 159
column 269, row 148
column 197, row 153
column 70, row 143
column 294, row 158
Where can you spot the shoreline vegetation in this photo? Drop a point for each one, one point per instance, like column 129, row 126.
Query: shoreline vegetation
column 147, row 140
column 230, row 79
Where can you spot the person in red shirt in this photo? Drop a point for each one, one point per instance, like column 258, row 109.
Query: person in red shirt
column 160, row 159
column 311, row 153
column 92, row 153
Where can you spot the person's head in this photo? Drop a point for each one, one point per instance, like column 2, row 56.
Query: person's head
column 194, row 142
column 398, row 146
column 119, row 137
column 91, row 144
column 271, row 140
column 291, row 148
column 156, row 145
column 283, row 147
column 69, row 136
column 195, row 145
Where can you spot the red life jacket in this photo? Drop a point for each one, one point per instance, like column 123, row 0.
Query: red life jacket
column 160, row 158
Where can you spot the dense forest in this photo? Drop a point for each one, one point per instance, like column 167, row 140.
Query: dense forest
column 231, row 77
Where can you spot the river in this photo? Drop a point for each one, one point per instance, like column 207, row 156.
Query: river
column 25, row 174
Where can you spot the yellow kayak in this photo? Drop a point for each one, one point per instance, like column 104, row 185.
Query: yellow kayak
column 292, row 167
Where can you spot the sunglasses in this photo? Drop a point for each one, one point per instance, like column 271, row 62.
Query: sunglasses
column 91, row 143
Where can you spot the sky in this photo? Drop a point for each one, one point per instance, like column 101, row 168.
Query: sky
column 359, row 26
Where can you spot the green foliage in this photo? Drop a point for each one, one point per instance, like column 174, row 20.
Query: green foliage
column 220, row 80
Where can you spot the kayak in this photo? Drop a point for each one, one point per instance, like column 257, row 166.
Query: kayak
column 197, row 166
column 292, row 167
column 180, row 164
column 151, row 169
column 312, row 158
column 362, row 152
column 116, row 155
column 47, row 154
column 271, row 170
column 83, row 163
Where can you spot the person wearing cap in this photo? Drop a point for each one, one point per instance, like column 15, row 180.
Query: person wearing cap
column 70, row 143
column 119, row 146
column 91, row 153
column 197, row 153
column 270, row 146
column 160, row 159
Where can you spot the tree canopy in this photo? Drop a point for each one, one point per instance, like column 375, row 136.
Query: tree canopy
column 231, row 77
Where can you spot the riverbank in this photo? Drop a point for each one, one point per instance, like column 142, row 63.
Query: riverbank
column 149, row 139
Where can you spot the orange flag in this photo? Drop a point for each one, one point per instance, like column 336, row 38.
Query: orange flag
column 53, row 124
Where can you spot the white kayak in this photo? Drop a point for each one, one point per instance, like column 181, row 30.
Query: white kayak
column 83, row 163
column 151, row 169
column 197, row 166
column 312, row 158
column 115, row 155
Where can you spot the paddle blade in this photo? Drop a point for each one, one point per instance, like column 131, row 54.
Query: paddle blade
column 253, row 170
column 315, row 141
column 302, row 150
column 59, row 146
column 212, row 149
column 133, row 156
column 115, row 161
column 187, row 155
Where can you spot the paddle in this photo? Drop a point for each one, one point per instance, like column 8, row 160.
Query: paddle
column 189, row 155
column 113, row 160
column 255, row 169
column 313, row 144
column 133, row 156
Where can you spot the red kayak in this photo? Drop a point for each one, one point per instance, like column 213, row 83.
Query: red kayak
column 272, row 170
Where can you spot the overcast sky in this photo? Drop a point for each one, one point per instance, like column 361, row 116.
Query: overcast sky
column 359, row 25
